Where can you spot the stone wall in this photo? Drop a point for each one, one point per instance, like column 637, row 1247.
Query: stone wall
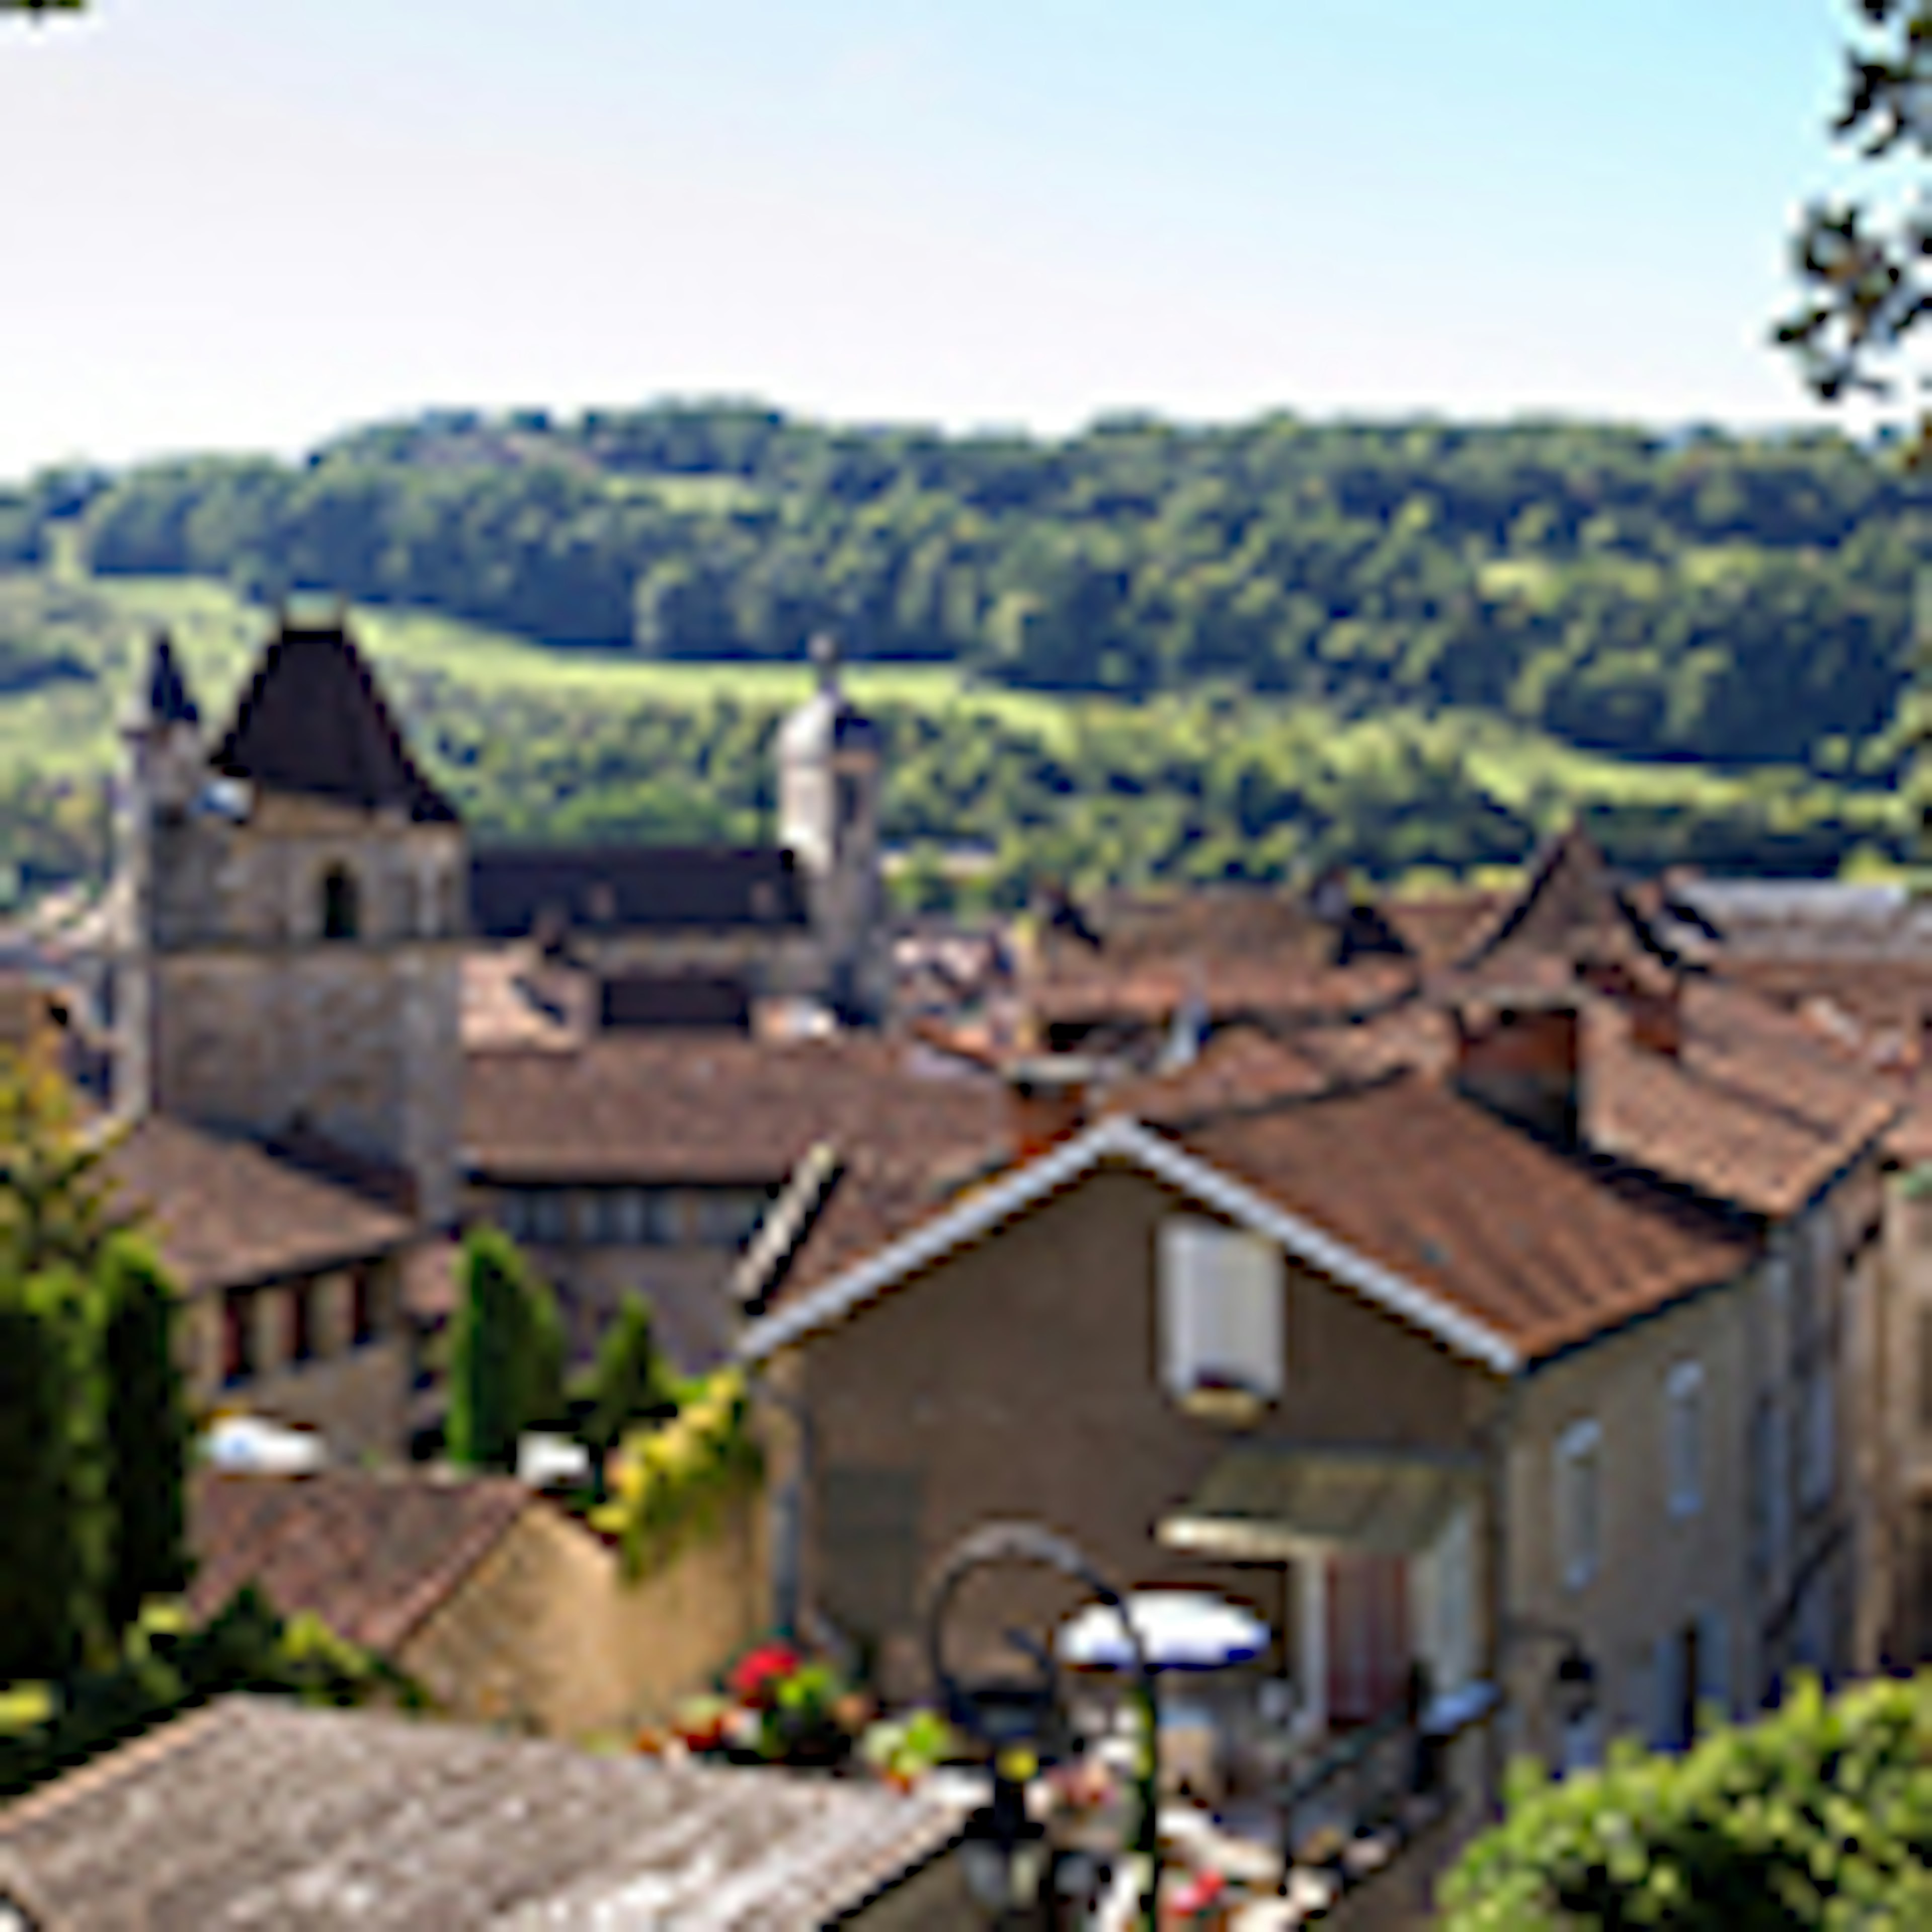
column 547, row 1630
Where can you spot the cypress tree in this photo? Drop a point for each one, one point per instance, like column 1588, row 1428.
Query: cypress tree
column 545, row 1403
column 55, row 1521
column 145, row 1431
column 630, row 1382
column 489, row 1372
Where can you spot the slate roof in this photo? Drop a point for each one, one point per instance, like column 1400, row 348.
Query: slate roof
column 372, row 1554
column 514, row 891
column 224, row 1212
column 254, row 1812
column 705, row 1109
column 312, row 721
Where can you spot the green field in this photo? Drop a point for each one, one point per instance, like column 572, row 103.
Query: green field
column 64, row 728
column 106, row 621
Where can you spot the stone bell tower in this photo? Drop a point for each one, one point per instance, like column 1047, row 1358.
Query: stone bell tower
column 830, row 773
column 295, row 905
column 163, row 774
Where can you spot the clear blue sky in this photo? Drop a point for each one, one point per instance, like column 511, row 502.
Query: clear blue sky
column 250, row 223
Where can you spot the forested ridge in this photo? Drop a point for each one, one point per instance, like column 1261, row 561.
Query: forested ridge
column 1729, row 599
column 1242, row 651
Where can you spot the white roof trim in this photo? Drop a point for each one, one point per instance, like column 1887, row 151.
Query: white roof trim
column 1120, row 1137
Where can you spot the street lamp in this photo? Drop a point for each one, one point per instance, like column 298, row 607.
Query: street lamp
column 1021, row 1724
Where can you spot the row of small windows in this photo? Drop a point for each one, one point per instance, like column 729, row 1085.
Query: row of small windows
column 293, row 1323
column 340, row 913
column 631, row 1217
column 1578, row 1482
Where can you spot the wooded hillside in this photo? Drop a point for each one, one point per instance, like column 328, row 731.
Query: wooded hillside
column 1709, row 597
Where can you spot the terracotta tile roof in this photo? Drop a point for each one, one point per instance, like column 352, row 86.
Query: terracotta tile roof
column 706, row 1109
column 1754, row 1110
column 511, row 998
column 255, row 1812
column 1544, row 1249
column 1441, row 929
column 1908, row 1140
column 1223, row 988
column 1224, row 923
column 225, row 1213
column 1240, row 1067
column 312, row 721
column 1879, row 994
column 516, row 891
column 1757, row 1110
column 430, row 1290
column 1574, row 907
column 371, row 1554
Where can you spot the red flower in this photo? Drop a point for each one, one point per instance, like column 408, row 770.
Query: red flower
column 758, row 1672
column 1200, row 1892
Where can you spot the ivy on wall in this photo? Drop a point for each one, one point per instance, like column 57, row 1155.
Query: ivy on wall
column 669, row 1483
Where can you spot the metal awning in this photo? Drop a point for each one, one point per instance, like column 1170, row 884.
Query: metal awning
column 1269, row 1504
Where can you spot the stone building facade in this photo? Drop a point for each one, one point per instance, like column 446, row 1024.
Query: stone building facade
column 292, row 966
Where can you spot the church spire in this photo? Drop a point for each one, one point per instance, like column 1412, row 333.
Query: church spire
column 168, row 699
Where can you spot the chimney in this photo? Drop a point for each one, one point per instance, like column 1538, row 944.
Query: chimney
column 1657, row 1021
column 1524, row 1062
column 1046, row 1097
column 1655, row 1011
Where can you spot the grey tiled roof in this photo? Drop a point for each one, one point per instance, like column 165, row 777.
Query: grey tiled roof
column 515, row 891
column 255, row 1812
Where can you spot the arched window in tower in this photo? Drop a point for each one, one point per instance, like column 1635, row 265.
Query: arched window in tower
column 341, row 904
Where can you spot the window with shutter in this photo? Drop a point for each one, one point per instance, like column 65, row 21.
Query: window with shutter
column 1683, row 1438
column 1579, row 1502
column 1221, row 1294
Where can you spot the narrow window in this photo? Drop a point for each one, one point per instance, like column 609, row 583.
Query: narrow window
column 1579, row 1502
column 632, row 1218
column 341, row 906
column 301, row 1322
column 1221, row 1310
column 237, row 1340
column 362, row 1305
column 1683, row 1438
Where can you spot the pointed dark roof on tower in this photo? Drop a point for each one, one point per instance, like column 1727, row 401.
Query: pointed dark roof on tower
column 312, row 721
column 170, row 701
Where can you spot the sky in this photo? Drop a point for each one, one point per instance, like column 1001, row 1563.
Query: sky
column 229, row 225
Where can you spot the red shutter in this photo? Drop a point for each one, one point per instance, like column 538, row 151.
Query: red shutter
column 1368, row 1650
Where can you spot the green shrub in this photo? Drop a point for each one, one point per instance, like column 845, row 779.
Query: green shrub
column 1819, row 1815
column 164, row 1668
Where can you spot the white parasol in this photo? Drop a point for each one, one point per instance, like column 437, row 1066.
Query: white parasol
column 1180, row 1630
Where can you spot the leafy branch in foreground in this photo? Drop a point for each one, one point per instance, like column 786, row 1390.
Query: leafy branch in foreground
column 1864, row 276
